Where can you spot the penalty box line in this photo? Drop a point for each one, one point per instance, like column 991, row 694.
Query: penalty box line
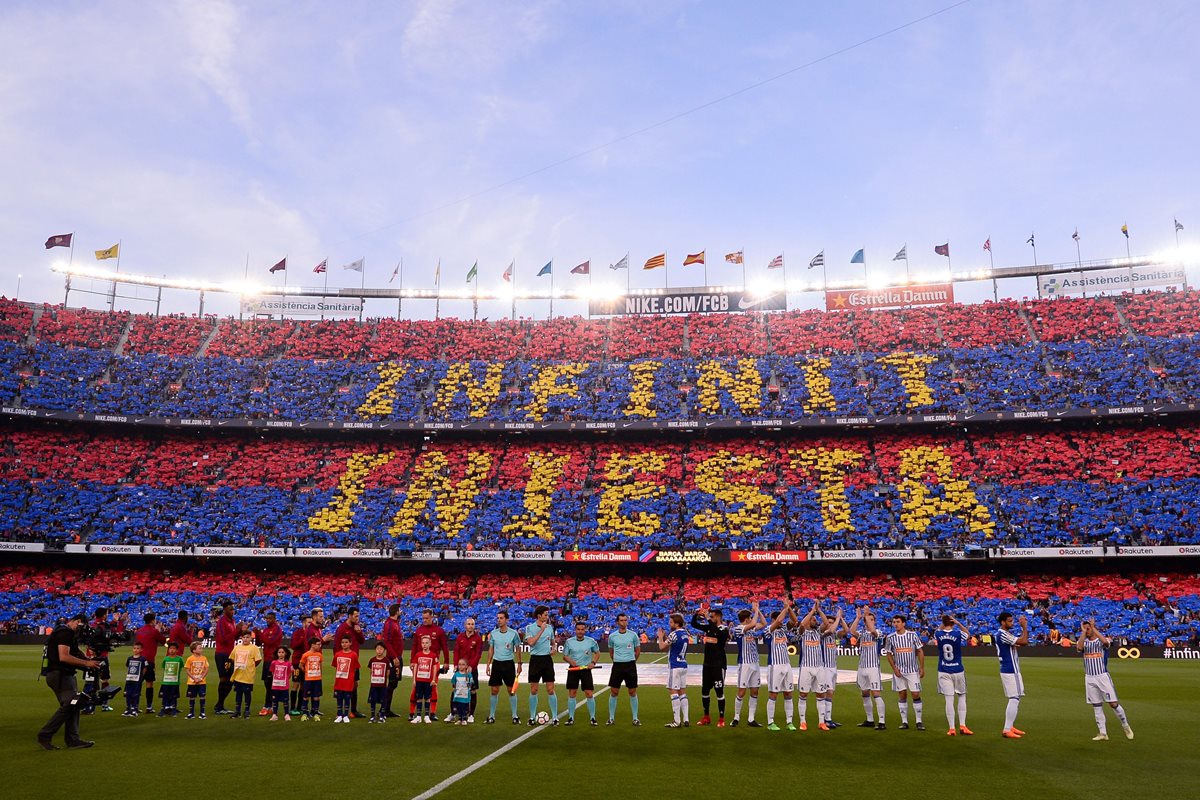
column 483, row 762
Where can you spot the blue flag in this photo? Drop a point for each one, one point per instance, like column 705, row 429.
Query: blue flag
column 857, row 258
column 546, row 269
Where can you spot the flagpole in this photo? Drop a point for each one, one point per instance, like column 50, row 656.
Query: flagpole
column 1176, row 236
column 1078, row 253
column 245, row 280
column 551, row 290
column 1128, row 254
column 400, row 299
column 437, row 292
column 785, row 281
column 512, row 279
column 992, row 269
column 362, row 286
column 589, row 298
column 475, row 292
column 743, row 252
column 325, row 289
column 71, row 251
column 705, row 268
column 112, row 297
column 949, row 262
column 907, row 268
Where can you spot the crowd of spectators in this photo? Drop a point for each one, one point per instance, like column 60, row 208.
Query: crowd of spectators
column 1151, row 609
column 1005, row 356
column 1028, row 377
column 1113, row 485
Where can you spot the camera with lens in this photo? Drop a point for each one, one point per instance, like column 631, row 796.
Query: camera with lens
column 97, row 637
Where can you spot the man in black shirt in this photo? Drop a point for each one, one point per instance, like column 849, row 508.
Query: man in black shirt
column 62, row 657
column 711, row 623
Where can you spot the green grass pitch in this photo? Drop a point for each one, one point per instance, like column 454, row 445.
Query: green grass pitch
column 220, row 756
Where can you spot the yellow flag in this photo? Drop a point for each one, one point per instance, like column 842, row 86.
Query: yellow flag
column 111, row 252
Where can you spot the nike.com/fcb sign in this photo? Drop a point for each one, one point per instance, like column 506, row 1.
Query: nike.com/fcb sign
column 685, row 302
column 925, row 294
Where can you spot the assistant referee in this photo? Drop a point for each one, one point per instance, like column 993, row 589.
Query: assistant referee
column 62, row 657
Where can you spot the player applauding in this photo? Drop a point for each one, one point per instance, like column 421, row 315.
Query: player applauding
column 676, row 643
column 1097, row 682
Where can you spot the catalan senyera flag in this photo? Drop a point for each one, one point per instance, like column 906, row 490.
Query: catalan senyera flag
column 654, row 262
column 736, row 258
column 694, row 258
column 112, row 252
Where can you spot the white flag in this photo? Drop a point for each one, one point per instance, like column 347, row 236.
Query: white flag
column 622, row 264
column 357, row 266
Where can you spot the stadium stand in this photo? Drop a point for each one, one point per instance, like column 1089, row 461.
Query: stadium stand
column 1143, row 608
column 1111, row 485
column 1010, row 356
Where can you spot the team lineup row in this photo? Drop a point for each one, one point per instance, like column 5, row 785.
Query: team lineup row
column 294, row 678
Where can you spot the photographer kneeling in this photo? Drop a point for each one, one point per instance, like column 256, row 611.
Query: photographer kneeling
column 62, row 657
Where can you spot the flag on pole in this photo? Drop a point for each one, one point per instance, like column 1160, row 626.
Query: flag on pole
column 546, row 270
column 64, row 240
column 1029, row 241
column 736, row 258
column 1075, row 235
column 857, row 258
column 818, row 260
column 281, row 266
column 942, row 249
column 622, row 264
column 437, row 273
column 776, row 262
column 473, row 273
column 395, row 272
column 111, row 252
column 357, row 266
column 987, row 244
column 901, row 254
column 694, row 258
column 583, row 269
column 319, row 268
column 654, row 262
column 1178, row 227
column 1125, row 230
column 507, row 276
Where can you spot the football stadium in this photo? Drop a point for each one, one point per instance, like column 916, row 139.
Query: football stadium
column 530, row 511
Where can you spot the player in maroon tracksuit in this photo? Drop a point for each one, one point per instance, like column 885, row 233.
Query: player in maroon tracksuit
column 393, row 641
column 440, row 643
column 180, row 634
column 469, row 647
column 269, row 638
column 225, row 634
column 353, row 628
column 150, row 636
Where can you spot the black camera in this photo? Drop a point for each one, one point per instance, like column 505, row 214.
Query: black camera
column 97, row 637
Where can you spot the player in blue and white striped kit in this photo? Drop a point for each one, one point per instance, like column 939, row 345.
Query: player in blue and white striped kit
column 1098, row 685
column 676, row 643
column 1007, row 643
column 812, row 665
column 779, row 663
column 831, row 632
column 952, row 678
column 870, row 642
column 907, row 660
column 749, row 677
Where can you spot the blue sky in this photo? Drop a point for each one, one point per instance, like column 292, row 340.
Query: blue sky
column 197, row 132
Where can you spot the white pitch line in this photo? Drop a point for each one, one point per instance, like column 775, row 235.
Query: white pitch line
column 483, row 762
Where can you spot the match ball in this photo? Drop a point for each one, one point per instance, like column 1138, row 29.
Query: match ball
column 542, row 718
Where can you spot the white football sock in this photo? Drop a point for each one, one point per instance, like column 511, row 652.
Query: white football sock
column 962, row 710
column 1010, row 712
column 1100, row 723
column 867, row 708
